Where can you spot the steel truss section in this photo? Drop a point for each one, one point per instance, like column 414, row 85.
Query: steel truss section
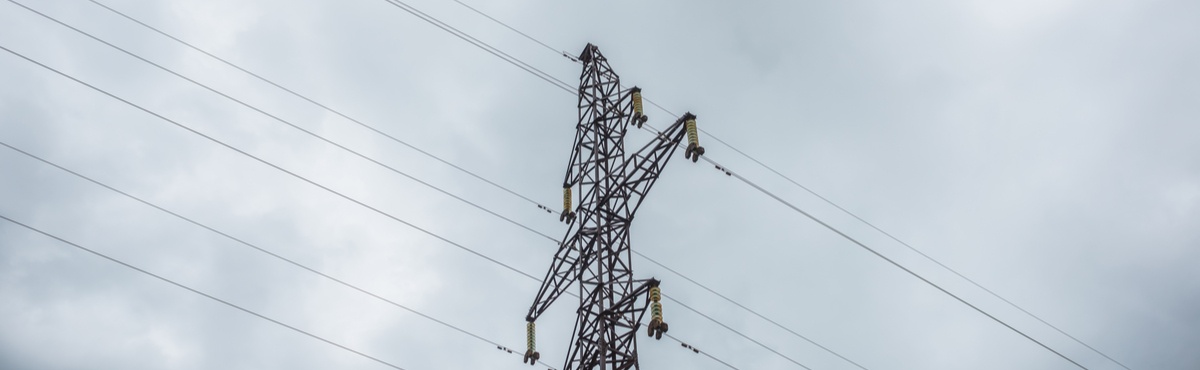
column 596, row 250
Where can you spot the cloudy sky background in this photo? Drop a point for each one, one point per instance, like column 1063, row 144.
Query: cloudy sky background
column 1044, row 148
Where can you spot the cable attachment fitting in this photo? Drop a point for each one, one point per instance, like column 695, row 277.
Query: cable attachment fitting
column 567, row 216
column 657, row 325
column 568, row 56
column 531, row 355
column 694, row 150
column 689, row 346
column 639, row 114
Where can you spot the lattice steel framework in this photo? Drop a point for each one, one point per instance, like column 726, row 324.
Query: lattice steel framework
column 596, row 249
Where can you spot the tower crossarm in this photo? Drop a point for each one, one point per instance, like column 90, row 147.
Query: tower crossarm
column 574, row 253
column 643, row 167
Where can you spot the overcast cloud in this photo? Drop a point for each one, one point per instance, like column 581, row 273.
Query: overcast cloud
column 1044, row 148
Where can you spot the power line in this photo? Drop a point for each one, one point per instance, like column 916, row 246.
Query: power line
column 483, row 45
column 885, row 258
column 696, row 350
column 420, row 14
column 189, row 129
column 256, row 247
column 413, row 178
column 318, row 137
column 465, row 37
column 276, row 118
column 439, row 24
column 773, row 322
column 839, row 207
column 727, row 327
column 269, row 115
column 531, row 38
column 927, row 257
column 748, row 309
column 206, row 295
column 304, row 267
column 269, row 164
column 323, row 106
column 826, row 200
column 299, row 265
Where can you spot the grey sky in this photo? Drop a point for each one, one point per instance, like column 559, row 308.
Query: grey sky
column 1044, row 148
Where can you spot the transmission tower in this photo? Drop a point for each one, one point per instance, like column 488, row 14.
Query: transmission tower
column 596, row 250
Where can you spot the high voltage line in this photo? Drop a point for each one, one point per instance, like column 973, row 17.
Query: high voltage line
column 272, row 165
column 297, row 264
column 889, row 260
column 264, row 317
column 755, row 313
column 255, row 247
column 370, row 159
column 323, row 106
column 835, row 205
column 694, row 349
column 566, row 87
column 755, row 160
column 203, row 294
column 468, row 39
column 531, row 38
column 269, row 115
column 840, row 208
column 335, row 144
column 418, row 13
column 292, row 262
column 276, row 118
column 293, row 174
column 890, row 236
column 483, row 45
column 519, row 64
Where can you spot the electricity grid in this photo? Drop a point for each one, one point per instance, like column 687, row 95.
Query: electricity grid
column 614, row 293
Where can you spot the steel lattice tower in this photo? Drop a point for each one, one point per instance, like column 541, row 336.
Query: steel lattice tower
column 596, row 250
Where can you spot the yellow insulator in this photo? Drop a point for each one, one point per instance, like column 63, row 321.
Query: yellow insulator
column 531, row 354
column 529, row 333
column 693, row 138
column 656, row 311
column 637, row 102
column 567, row 199
column 655, row 294
column 694, row 150
column 567, row 216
